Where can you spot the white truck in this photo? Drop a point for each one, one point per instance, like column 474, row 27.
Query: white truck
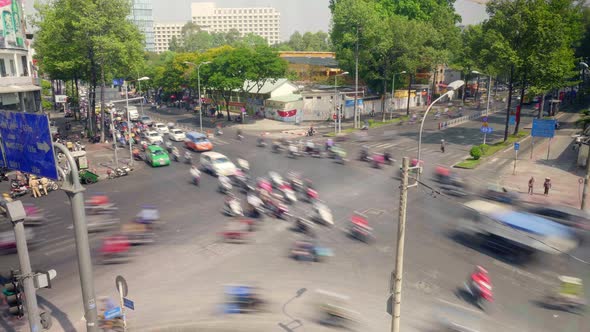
column 133, row 113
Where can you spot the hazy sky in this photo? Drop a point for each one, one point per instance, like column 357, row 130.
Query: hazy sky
column 301, row 15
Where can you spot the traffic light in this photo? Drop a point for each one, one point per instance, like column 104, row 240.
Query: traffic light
column 14, row 297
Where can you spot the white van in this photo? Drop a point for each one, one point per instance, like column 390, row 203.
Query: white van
column 133, row 113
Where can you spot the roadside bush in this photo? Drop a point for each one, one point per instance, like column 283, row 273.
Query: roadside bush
column 475, row 152
column 483, row 148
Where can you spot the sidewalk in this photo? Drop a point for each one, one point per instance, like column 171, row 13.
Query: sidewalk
column 560, row 166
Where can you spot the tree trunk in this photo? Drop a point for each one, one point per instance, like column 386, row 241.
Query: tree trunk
column 77, row 114
column 519, row 111
column 409, row 89
column 102, row 116
column 465, row 88
column 53, row 94
column 476, row 90
column 541, row 106
column 434, row 78
column 93, row 82
column 383, row 100
column 496, row 87
column 509, row 104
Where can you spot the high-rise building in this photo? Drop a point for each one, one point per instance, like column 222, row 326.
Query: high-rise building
column 163, row 33
column 262, row 21
column 141, row 15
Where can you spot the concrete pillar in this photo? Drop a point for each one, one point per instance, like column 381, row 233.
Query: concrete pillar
column 21, row 99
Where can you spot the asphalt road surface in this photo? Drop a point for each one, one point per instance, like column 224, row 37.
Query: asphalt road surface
column 180, row 278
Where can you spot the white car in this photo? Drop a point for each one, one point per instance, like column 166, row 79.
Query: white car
column 161, row 128
column 146, row 120
column 217, row 164
column 176, row 135
column 153, row 137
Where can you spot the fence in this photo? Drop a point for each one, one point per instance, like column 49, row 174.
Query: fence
column 454, row 122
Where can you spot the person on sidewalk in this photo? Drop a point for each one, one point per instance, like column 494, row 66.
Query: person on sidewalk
column 531, row 184
column 34, row 185
column 442, row 145
column 547, row 186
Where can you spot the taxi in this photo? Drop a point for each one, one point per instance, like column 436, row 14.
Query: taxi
column 197, row 142
column 156, row 156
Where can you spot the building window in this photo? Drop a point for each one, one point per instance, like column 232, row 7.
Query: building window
column 3, row 68
column 12, row 68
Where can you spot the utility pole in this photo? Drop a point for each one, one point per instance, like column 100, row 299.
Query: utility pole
column 586, row 180
column 74, row 190
column 356, row 80
column 401, row 235
column 16, row 213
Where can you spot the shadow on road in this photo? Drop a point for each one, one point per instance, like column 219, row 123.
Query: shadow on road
column 56, row 313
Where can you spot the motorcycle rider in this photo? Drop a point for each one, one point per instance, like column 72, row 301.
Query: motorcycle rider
column 329, row 144
column 187, row 157
column 364, row 154
column 480, row 283
column 175, row 153
column 195, row 174
column 225, row 183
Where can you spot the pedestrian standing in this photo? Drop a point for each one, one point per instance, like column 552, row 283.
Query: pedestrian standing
column 547, row 186
column 44, row 182
column 442, row 145
column 531, row 184
column 34, row 185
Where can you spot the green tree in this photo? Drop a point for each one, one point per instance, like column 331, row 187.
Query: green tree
column 174, row 45
column 90, row 40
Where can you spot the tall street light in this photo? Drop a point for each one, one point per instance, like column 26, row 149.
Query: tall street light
column 393, row 93
column 199, row 89
column 452, row 87
column 337, row 121
column 129, row 120
column 139, row 88
column 488, row 101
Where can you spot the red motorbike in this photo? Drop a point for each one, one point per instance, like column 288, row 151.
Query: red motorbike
column 479, row 287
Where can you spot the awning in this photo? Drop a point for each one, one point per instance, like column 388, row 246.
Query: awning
column 19, row 88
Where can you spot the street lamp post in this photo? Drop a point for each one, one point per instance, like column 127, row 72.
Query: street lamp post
column 488, row 101
column 452, row 86
column 199, row 89
column 337, row 121
column 393, row 93
column 129, row 120
column 139, row 88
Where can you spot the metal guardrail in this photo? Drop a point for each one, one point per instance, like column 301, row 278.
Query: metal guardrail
column 454, row 122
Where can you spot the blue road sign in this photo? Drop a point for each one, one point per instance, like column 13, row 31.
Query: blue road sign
column 484, row 119
column 516, row 146
column 128, row 303
column 543, row 128
column 486, row 130
column 26, row 143
column 113, row 313
column 512, row 120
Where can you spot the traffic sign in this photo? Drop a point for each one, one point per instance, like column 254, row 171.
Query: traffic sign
column 486, row 130
column 128, row 303
column 26, row 143
column 119, row 280
column 334, row 117
column 113, row 313
column 484, row 119
column 516, row 146
column 543, row 128
column 512, row 120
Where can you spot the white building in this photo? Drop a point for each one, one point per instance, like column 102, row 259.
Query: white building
column 262, row 21
column 18, row 91
column 163, row 33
